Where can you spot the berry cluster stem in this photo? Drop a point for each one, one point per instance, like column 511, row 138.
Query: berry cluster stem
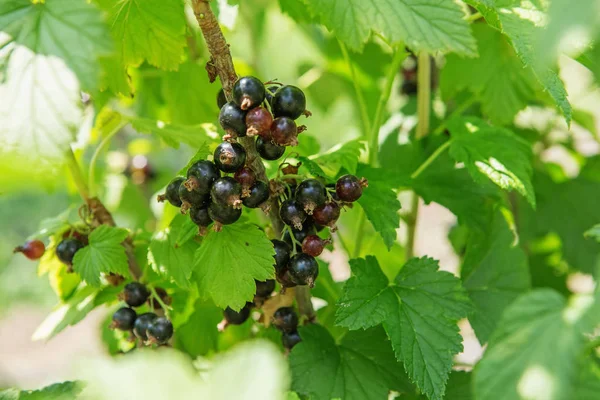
column 221, row 65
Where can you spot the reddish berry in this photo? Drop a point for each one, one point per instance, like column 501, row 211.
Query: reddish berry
column 349, row 188
column 284, row 132
column 245, row 177
column 314, row 245
column 258, row 122
column 32, row 249
column 327, row 214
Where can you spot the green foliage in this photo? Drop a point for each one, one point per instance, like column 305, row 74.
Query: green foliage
column 58, row 391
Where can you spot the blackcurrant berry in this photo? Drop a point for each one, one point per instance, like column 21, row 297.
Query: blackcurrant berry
column 264, row 289
column 248, row 92
column 303, row 269
column 259, row 193
column 289, row 101
column 200, row 217
column 233, row 120
column 221, row 99
column 314, row 245
column 225, row 215
column 201, row 176
column 270, row 92
column 349, row 188
column 308, row 228
column 409, row 88
column 285, row 279
column 327, row 214
column 284, row 132
column 237, row 317
column 32, row 249
column 160, row 330
column 258, row 122
column 67, row 248
column 123, row 319
column 229, row 157
column 311, row 193
column 292, row 213
column 285, row 319
column 192, row 198
column 135, row 294
column 282, row 254
column 142, row 323
column 172, row 192
column 227, row 192
column 245, row 177
column 268, row 150
column 289, row 340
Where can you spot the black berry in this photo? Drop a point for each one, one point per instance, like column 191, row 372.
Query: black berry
column 311, row 194
column 284, row 132
column 123, row 319
column 268, row 150
column 259, row 193
column 142, row 323
column 314, row 245
column 160, row 330
column 201, row 175
column 229, row 157
column 282, row 254
column 258, row 122
column 32, row 249
column 285, row 319
column 221, row 99
column 264, row 289
column 327, row 214
column 233, row 120
column 409, row 88
column 200, row 217
column 303, row 269
column 172, row 192
column 237, row 317
column 135, row 294
column 292, row 213
column 225, row 215
column 248, row 92
column 227, row 192
column 349, row 188
column 192, row 198
column 288, row 101
column 289, row 340
column 67, row 248
column 271, row 90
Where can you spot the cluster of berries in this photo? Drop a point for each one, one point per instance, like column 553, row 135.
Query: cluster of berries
column 148, row 327
column 286, row 320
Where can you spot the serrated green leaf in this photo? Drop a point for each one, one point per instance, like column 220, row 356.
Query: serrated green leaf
column 494, row 272
column 380, row 203
column 419, row 312
column 200, row 154
column 170, row 255
column 59, row 391
column 493, row 153
column 459, row 386
column 496, row 70
column 535, row 350
column 195, row 136
column 199, row 335
column 342, row 156
column 71, row 30
column 429, row 25
column 72, row 311
column 104, row 253
column 521, row 22
column 228, row 262
column 314, row 168
column 363, row 365
column 150, row 30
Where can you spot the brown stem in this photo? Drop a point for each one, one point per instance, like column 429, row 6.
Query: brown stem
column 221, row 65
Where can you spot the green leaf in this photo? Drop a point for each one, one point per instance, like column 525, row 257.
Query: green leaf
column 493, row 153
column 341, row 156
column 593, row 233
column 199, row 335
column 228, row 262
column 59, row 391
column 380, row 203
column 150, row 30
column 496, row 70
column 104, row 253
column 459, row 386
column 419, row 312
column 521, row 22
column 195, row 136
column 71, row 30
column 429, row 25
column 75, row 309
column 171, row 254
column 361, row 367
column 535, row 350
column 494, row 272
